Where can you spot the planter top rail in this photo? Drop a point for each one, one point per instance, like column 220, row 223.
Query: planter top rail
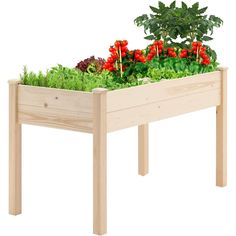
column 74, row 110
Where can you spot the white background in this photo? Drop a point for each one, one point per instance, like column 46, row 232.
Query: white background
column 178, row 197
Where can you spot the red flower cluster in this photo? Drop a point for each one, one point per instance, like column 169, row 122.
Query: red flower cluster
column 117, row 51
column 205, row 59
column 171, row 52
column 109, row 64
column 155, row 49
column 196, row 46
column 120, row 54
column 121, row 47
column 183, row 53
column 198, row 49
column 138, row 56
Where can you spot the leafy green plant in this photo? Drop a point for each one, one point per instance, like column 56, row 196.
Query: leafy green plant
column 168, row 68
column 73, row 79
column 163, row 73
column 170, row 23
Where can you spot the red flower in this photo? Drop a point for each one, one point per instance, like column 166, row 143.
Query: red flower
column 124, row 43
column 123, row 54
column 124, row 49
column 112, row 50
column 183, row 53
column 117, row 44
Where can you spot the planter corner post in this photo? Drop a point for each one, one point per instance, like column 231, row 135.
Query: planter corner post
column 99, row 161
column 14, row 151
column 143, row 149
column 221, row 133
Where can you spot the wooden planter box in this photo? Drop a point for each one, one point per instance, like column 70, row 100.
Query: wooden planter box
column 101, row 111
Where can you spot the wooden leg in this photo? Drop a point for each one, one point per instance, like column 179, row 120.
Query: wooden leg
column 143, row 149
column 99, row 163
column 15, row 153
column 221, row 134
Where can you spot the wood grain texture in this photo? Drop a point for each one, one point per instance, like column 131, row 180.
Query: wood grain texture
column 14, row 152
column 168, row 89
column 221, row 133
column 143, row 149
column 57, row 108
column 162, row 109
column 99, row 162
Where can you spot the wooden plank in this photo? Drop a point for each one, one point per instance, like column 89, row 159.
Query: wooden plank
column 149, row 93
column 60, row 99
column 55, row 118
column 55, row 108
column 162, row 109
column 99, row 162
column 221, row 134
column 143, row 149
column 14, row 152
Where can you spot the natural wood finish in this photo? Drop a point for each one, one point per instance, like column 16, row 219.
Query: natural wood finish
column 163, row 90
column 44, row 116
column 143, row 149
column 99, row 162
column 73, row 110
column 58, row 99
column 101, row 111
column 163, row 109
column 57, row 108
column 14, row 152
column 221, row 133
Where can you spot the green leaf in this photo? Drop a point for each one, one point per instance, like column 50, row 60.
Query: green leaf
column 216, row 20
column 154, row 9
column 173, row 5
column 157, row 34
column 184, row 6
column 173, row 33
column 150, row 37
column 206, row 38
column 195, row 6
column 201, row 11
column 139, row 20
column 161, row 5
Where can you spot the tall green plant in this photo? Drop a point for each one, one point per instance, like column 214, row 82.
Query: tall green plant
column 189, row 23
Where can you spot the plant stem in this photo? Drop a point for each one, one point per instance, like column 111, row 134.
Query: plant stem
column 197, row 54
column 121, row 72
column 157, row 51
column 198, row 51
column 116, row 63
column 192, row 36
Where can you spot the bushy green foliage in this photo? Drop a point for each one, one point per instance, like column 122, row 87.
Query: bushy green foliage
column 163, row 73
column 170, row 22
column 179, row 26
column 168, row 68
column 74, row 79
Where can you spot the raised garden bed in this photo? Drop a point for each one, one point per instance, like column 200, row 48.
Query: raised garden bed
column 102, row 111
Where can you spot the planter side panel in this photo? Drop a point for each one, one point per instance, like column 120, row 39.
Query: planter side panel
column 148, row 93
column 147, row 103
column 55, row 108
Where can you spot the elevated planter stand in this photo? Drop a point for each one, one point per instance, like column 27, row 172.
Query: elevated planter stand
column 102, row 111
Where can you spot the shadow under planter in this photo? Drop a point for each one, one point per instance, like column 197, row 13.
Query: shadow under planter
column 102, row 111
